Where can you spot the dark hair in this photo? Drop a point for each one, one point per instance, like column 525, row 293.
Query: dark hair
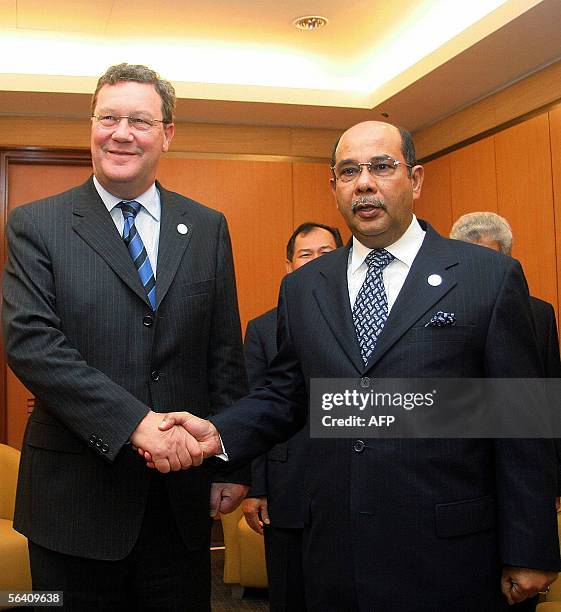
column 305, row 229
column 407, row 148
column 140, row 74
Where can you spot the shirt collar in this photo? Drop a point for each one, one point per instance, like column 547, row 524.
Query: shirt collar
column 149, row 199
column 404, row 248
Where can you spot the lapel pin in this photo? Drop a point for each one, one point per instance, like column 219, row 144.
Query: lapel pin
column 434, row 280
column 182, row 228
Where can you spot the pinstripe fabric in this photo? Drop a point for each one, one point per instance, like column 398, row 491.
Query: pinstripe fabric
column 416, row 524
column 81, row 334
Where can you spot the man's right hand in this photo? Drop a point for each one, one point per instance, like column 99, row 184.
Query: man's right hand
column 170, row 449
column 256, row 513
column 202, row 430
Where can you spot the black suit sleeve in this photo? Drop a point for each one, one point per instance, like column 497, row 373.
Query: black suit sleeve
column 225, row 362
column 256, row 364
column 552, row 361
column 273, row 413
column 525, row 469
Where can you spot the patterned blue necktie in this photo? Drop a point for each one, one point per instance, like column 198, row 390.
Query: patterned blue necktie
column 371, row 305
column 137, row 249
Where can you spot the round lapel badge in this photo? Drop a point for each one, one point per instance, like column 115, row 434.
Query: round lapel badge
column 182, row 228
column 434, row 280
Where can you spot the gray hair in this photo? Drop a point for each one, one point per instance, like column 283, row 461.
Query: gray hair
column 473, row 227
column 139, row 74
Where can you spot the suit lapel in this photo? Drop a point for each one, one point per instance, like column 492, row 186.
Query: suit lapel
column 92, row 221
column 172, row 243
column 417, row 296
column 332, row 296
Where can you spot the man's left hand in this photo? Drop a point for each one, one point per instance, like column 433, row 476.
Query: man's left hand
column 225, row 497
column 519, row 583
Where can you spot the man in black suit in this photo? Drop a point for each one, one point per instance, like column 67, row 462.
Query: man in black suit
column 275, row 498
column 494, row 232
column 462, row 524
column 105, row 343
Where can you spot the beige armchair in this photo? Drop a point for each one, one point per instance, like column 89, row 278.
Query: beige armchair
column 244, row 555
column 14, row 558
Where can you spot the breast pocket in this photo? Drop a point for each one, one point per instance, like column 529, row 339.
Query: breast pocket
column 447, row 333
column 198, row 290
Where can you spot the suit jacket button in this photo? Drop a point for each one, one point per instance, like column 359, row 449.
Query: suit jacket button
column 105, row 448
column 358, row 446
column 147, row 321
column 98, row 443
column 155, row 375
column 365, row 382
column 92, row 439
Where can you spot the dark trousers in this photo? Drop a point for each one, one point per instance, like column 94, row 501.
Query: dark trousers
column 160, row 573
column 283, row 551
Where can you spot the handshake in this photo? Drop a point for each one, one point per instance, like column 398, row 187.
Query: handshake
column 175, row 441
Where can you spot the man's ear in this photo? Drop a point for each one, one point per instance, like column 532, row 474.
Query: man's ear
column 417, row 177
column 333, row 185
column 169, row 131
column 288, row 266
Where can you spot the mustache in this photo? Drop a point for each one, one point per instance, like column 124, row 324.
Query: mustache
column 368, row 201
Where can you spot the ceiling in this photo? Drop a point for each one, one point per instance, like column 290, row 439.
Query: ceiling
column 242, row 61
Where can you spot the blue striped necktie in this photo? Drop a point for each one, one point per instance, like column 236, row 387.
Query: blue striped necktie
column 371, row 305
column 137, row 249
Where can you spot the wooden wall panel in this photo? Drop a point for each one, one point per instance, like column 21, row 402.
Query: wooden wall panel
column 27, row 182
column 256, row 198
column 313, row 198
column 473, row 179
column 200, row 138
column 555, row 135
column 435, row 203
column 525, row 198
column 525, row 96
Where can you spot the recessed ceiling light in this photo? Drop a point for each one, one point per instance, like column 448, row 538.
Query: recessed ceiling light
column 310, row 22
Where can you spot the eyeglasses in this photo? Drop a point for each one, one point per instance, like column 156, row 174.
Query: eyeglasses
column 138, row 123
column 380, row 167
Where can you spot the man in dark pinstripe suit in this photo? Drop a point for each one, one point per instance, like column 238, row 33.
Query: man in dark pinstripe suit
column 102, row 359
column 404, row 525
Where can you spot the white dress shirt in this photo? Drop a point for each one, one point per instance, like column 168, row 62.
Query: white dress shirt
column 147, row 221
column 404, row 250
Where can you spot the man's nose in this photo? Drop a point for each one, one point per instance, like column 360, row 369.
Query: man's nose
column 122, row 130
column 365, row 180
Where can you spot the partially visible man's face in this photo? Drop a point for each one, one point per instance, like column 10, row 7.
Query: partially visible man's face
column 377, row 210
column 485, row 241
column 310, row 246
column 125, row 160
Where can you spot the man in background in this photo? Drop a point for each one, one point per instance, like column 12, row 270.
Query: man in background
column 273, row 506
column 493, row 231
column 119, row 303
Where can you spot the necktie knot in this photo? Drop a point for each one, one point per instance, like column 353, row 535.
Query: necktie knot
column 378, row 258
column 129, row 208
